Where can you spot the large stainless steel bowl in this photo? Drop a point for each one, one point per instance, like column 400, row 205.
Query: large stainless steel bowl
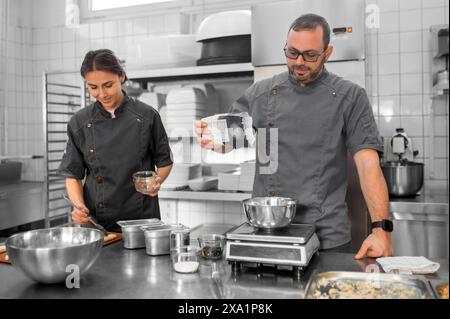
column 269, row 212
column 403, row 179
column 44, row 254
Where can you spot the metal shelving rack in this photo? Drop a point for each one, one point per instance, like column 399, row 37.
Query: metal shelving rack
column 60, row 101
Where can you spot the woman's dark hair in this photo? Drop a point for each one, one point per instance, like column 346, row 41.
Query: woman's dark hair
column 311, row 21
column 101, row 60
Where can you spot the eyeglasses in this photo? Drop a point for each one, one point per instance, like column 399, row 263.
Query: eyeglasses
column 308, row 56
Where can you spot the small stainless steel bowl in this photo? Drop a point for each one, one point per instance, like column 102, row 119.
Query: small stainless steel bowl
column 269, row 212
column 157, row 238
column 44, row 254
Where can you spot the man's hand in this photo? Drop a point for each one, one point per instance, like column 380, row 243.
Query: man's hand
column 204, row 137
column 80, row 215
column 155, row 187
column 377, row 244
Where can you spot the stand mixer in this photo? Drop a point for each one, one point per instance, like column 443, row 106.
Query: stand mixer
column 404, row 177
column 399, row 148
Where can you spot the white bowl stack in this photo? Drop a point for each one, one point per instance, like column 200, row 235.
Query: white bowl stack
column 183, row 107
column 229, row 181
column 248, row 170
column 155, row 100
column 180, row 175
column 240, row 179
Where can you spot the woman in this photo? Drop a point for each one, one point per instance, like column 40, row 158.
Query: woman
column 109, row 141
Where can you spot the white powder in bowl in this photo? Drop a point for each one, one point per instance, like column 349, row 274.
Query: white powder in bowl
column 186, row 266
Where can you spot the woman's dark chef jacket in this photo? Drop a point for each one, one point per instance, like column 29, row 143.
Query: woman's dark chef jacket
column 106, row 150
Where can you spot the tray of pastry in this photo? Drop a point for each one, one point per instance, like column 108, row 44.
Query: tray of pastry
column 440, row 288
column 362, row 285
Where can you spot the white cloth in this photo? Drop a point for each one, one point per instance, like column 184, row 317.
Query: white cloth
column 408, row 264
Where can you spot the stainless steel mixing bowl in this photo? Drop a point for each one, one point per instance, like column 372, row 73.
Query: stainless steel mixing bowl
column 269, row 212
column 403, row 179
column 44, row 254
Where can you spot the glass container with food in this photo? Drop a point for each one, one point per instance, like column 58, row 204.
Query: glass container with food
column 144, row 180
column 211, row 245
column 185, row 259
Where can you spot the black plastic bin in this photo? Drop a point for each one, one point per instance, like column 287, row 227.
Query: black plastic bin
column 10, row 171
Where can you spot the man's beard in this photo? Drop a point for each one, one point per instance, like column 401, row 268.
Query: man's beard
column 313, row 73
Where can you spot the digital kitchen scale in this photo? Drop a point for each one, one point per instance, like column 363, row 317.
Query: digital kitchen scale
column 291, row 247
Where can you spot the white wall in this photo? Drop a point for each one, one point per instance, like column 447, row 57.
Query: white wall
column 399, row 78
column 21, row 13
column 17, row 73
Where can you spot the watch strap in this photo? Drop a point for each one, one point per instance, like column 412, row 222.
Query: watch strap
column 384, row 224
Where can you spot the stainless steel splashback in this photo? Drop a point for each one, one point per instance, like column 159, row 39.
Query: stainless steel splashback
column 270, row 24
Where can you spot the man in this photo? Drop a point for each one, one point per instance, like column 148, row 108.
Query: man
column 319, row 117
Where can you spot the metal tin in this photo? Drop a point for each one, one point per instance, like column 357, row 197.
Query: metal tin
column 157, row 238
column 387, row 286
column 132, row 233
column 179, row 237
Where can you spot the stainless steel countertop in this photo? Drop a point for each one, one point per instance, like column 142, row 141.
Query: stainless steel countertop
column 122, row 273
column 435, row 202
column 425, row 197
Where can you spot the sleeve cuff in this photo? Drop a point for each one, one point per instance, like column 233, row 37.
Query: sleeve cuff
column 68, row 174
column 377, row 148
column 164, row 163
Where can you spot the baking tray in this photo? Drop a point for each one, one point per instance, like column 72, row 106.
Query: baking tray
column 361, row 285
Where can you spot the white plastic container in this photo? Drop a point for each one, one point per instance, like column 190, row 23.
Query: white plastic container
column 176, row 50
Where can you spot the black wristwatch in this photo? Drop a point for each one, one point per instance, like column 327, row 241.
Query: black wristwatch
column 385, row 224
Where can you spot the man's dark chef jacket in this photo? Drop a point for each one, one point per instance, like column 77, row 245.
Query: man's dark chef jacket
column 317, row 125
column 107, row 150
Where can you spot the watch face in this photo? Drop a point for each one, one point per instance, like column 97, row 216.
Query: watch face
column 388, row 225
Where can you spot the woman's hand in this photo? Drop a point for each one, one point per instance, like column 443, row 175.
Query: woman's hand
column 80, row 215
column 204, row 137
column 155, row 187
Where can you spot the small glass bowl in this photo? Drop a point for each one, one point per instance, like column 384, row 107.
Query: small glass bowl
column 211, row 245
column 185, row 259
column 143, row 181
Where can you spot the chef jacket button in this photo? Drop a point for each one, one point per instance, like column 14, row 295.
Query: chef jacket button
column 99, row 179
column 101, row 205
column 92, row 151
column 334, row 94
column 274, row 92
column 89, row 125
